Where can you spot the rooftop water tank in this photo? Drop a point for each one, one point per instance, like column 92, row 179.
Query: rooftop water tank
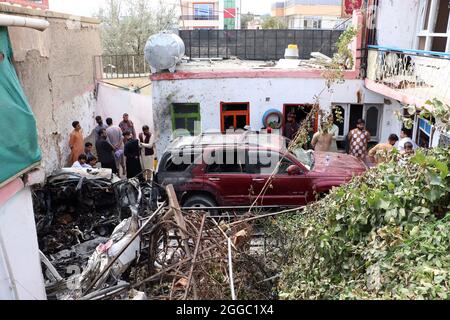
column 163, row 51
column 291, row 52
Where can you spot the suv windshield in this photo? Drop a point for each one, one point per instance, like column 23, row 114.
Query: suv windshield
column 305, row 157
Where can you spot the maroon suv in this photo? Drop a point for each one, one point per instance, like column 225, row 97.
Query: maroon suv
column 232, row 170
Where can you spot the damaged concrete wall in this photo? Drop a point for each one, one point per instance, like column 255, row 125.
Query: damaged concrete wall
column 262, row 93
column 114, row 102
column 56, row 70
column 20, row 267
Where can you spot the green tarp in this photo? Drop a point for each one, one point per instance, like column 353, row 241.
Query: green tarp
column 19, row 148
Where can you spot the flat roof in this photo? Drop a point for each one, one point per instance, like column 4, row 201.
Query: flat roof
column 236, row 68
column 237, row 64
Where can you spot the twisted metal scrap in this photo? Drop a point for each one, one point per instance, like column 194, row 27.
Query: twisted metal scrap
column 208, row 264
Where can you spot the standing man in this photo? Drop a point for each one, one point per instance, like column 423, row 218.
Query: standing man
column 405, row 137
column 76, row 142
column 105, row 152
column 115, row 137
column 132, row 155
column 358, row 140
column 146, row 141
column 127, row 125
column 334, row 131
column 322, row 140
column 378, row 153
column 100, row 126
column 291, row 127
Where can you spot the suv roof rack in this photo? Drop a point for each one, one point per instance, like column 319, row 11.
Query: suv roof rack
column 243, row 139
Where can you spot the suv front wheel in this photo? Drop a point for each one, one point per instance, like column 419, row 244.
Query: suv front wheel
column 200, row 201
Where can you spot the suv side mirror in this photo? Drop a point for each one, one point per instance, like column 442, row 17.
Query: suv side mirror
column 294, row 170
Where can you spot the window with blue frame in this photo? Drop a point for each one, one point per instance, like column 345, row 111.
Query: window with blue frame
column 203, row 10
column 425, row 133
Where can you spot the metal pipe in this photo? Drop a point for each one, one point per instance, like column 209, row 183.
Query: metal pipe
column 230, row 270
column 18, row 21
column 235, row 207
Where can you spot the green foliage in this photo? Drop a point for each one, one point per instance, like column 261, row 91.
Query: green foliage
column 245, row 19
column 343, row 59
column 433, row 108
column 274, row 23
column 385, row 235
column 127, row 24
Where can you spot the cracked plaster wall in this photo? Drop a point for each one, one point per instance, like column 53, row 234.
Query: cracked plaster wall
column 262, row 94
column 56, row 70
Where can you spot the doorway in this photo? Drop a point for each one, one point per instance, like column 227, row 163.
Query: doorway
column 234, row 115
column 301, row 111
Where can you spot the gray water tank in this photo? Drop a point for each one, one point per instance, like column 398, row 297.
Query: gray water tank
column 163, row 51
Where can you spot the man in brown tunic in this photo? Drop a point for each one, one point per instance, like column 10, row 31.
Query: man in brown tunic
column 76, row 142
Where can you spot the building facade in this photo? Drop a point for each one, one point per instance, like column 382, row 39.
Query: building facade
column 34, row 4
column 216, row 96
column 213, row 14
column 46, row 83
column 409, row 59
column 310, row 14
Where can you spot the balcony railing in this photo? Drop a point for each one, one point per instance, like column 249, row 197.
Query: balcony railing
column 418, row 74
column 200, row 17
column 121, row 66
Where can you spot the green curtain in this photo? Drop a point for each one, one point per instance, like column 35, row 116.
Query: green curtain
column 19, row 148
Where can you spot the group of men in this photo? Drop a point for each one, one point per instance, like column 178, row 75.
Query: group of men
column 117, row 147
column 357, row 140
column 360, row 137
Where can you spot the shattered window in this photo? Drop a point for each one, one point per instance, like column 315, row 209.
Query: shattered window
column 172, row 167
column 233, row 162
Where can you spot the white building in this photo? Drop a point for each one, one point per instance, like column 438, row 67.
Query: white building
column 409, row 57
column 214, row 14
column 234, row 93
column 310, row 14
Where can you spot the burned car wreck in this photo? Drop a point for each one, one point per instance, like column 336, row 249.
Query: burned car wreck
column 78, row 209
column 105, row 238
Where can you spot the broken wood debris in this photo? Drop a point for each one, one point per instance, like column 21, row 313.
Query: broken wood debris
column 178, row 255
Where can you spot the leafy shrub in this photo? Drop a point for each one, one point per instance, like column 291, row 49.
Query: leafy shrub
column 386, row 235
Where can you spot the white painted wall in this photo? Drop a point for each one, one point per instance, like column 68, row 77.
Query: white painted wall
column 114, row 102
column 390, row 124
column 396, row 23
column 20, row 268
column 210, row 92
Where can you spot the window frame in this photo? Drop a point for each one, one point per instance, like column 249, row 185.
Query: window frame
column 233, row 113
column 431, row 21
column 366, row 107
column 185, row 116
column 204, row 14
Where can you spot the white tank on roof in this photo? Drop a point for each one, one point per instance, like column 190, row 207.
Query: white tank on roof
column 163, row 51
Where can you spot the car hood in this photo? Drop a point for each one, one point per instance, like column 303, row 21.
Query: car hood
column 338, row 165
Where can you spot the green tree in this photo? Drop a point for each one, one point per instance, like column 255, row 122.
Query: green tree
column 127, row 24
column 245, row 19
column 274, row 23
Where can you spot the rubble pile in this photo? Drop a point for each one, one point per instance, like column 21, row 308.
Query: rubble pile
column 191, row 261
column 108, row 240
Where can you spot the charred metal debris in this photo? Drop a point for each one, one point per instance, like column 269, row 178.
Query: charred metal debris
column 106, row 239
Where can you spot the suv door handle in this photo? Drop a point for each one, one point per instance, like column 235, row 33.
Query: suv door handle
column 214, row 179
column 259, row 180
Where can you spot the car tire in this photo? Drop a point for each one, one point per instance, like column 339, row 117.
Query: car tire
column 201, row 201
